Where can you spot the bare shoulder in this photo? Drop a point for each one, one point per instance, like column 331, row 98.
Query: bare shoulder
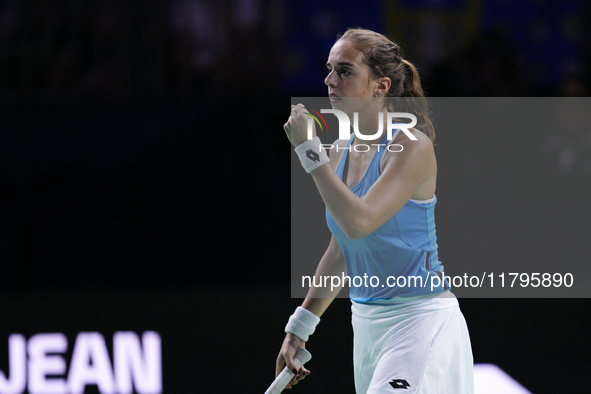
column 337, row 151
column 415, row 151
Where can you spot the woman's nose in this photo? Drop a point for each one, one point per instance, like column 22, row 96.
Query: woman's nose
column 329, row 80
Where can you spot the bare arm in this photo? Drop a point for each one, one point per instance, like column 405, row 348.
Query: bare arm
column 317, row 301
column 404, row 172
column 332, row 263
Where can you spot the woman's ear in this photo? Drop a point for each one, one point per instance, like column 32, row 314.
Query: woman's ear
column 383, row 85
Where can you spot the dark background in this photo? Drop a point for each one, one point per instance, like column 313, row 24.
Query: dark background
column 145, row 174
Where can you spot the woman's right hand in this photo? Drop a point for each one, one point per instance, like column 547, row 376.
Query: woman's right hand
column 286, row 354
column 296, row 126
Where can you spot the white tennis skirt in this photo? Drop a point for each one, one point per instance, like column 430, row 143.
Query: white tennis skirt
column 419, row 346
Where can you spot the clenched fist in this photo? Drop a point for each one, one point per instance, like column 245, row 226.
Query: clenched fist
column 296, row 127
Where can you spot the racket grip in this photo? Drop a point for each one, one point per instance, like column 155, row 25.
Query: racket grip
column 301, row 357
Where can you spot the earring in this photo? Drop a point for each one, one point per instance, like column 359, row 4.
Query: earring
column 377, row 97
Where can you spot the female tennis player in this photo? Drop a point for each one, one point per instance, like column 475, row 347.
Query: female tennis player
column 380, row 210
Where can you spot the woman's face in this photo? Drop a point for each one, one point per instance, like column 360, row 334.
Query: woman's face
column 348, row 76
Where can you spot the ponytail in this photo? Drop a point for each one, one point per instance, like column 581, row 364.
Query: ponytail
column 384, row 59
column 418, row 103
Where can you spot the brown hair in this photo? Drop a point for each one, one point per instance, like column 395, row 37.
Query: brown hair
column 384, row 59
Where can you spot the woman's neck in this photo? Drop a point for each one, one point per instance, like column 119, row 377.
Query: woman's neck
column 368, row 124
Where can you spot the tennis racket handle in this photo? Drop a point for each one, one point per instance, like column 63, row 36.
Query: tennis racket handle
column 301, row 357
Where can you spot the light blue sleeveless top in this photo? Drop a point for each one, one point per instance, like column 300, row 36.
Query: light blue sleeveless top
column 404, row 248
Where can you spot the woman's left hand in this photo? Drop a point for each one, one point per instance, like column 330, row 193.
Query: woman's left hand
column 296, row 127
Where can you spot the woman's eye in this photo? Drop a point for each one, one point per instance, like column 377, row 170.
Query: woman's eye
column 339, row 72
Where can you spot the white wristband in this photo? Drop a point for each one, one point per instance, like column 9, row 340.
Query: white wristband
column 302, row 323
column 312, row 154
